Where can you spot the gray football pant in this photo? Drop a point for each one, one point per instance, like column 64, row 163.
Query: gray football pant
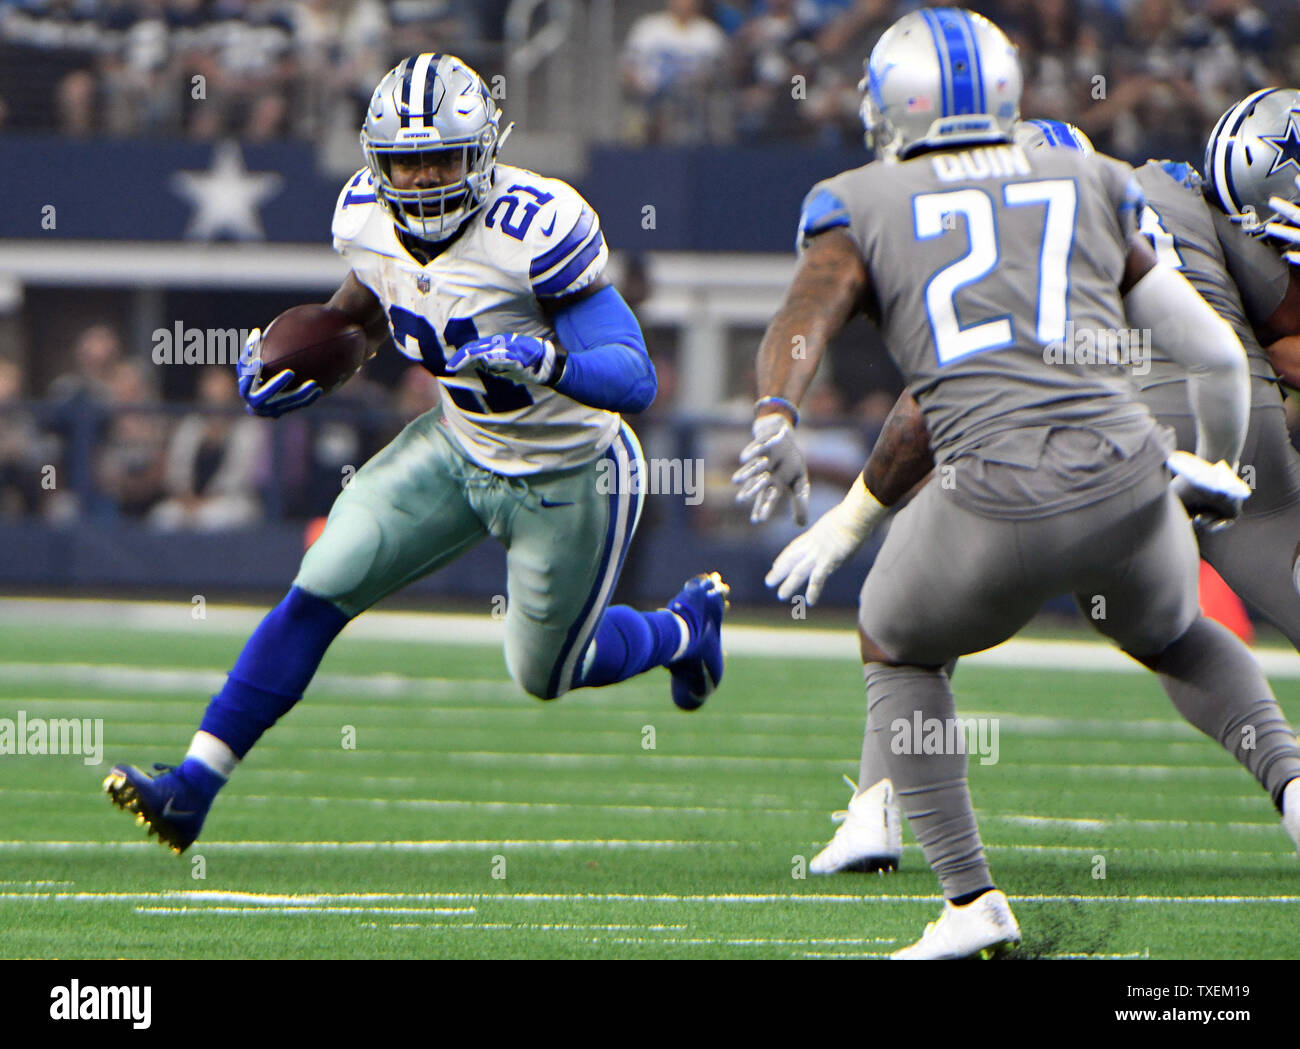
column 1130, row 560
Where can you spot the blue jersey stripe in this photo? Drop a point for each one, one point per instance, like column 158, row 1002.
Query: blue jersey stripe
column 613, row 554
column 571, row 242
column 557, row 284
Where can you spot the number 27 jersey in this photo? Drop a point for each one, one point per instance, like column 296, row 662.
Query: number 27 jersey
column 994, row 270
column 534, row 239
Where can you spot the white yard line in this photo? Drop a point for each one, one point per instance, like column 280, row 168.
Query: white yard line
column 191, row 911
column 376, row 846
column 204, row 896
column 1119, row 823
column 797, row 641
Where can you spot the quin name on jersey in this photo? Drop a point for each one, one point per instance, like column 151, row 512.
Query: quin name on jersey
column 534, row 241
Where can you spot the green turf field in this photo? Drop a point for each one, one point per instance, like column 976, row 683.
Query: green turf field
column 473, row 821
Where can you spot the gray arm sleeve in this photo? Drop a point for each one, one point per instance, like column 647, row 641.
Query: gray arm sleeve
column 1184, row 327
column 1261, row 274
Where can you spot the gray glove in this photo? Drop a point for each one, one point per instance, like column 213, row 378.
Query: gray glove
column 772, row 467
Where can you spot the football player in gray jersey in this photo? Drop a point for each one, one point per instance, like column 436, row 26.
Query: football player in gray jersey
column 975, row 258
column 1252, row 288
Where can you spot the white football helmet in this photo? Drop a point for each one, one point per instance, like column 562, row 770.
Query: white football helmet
column 431, row 104
column 939, row 76
column 1253, row 154
column 1044, row 134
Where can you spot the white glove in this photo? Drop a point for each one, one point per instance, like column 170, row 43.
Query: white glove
column 1211, row 492
column 771, row 467
column 813, row 556
column 1289, row 230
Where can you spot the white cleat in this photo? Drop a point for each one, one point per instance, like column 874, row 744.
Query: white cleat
column 1291, row 811
column 870, row 835
column 981, row 929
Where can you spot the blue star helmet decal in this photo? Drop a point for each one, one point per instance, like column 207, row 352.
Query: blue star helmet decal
column 1287, row 145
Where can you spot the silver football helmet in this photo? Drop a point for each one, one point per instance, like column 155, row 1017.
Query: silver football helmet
column 1042, row 134
column 939, row 76
column 434, row 111
column 1253, row 154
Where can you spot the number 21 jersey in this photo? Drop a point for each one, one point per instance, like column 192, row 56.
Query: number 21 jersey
column 534, row 240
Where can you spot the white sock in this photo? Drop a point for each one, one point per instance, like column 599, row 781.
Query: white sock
column 686, row 638
column 213, row 753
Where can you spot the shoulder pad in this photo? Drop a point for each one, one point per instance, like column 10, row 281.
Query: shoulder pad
column 1184, row 174
column 823, row 209
column 356, row 205
column 559, row 230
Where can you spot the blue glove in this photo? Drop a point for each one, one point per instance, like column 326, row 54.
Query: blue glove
column 523, row 358
column 278, row 394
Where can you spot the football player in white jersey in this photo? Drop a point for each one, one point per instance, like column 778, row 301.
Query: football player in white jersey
column 491, row 277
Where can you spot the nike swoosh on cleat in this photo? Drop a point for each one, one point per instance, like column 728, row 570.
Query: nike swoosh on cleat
column 168, row 811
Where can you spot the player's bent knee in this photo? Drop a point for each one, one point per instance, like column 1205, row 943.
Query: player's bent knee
column 871, row 652
column 535, row 677
column 340, row 562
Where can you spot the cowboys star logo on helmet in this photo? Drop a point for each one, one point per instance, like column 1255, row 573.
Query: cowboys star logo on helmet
column 1254, row 153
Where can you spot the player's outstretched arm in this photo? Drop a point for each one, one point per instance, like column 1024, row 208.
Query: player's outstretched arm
column 600, row 360
column 606, row 364
column 1185, row 327
column 830, row 285
column 899, row 461
column 1188, row 331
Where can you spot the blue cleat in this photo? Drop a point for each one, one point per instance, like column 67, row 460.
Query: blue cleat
column 168, row 805
column 701, row 603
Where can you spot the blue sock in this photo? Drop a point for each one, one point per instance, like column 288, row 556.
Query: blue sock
column 273, row 670
column 628, row 643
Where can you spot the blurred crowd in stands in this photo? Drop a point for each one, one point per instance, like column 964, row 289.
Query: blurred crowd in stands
column 266, row 69
column 1142, row 77
column 94, row 438
column 99, row 442
column 102, row 444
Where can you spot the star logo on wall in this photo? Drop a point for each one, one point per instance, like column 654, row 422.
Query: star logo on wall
column 1287, row 145
column 227, row 197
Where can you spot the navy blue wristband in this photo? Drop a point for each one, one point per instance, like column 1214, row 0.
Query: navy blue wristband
column 780, row 402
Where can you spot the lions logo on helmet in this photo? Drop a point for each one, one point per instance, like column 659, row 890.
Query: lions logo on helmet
column 432, row 108
column 1042, row 134
column 1253, row 154
column 939, row 76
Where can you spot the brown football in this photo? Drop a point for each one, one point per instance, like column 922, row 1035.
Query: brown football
column 316, row 342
